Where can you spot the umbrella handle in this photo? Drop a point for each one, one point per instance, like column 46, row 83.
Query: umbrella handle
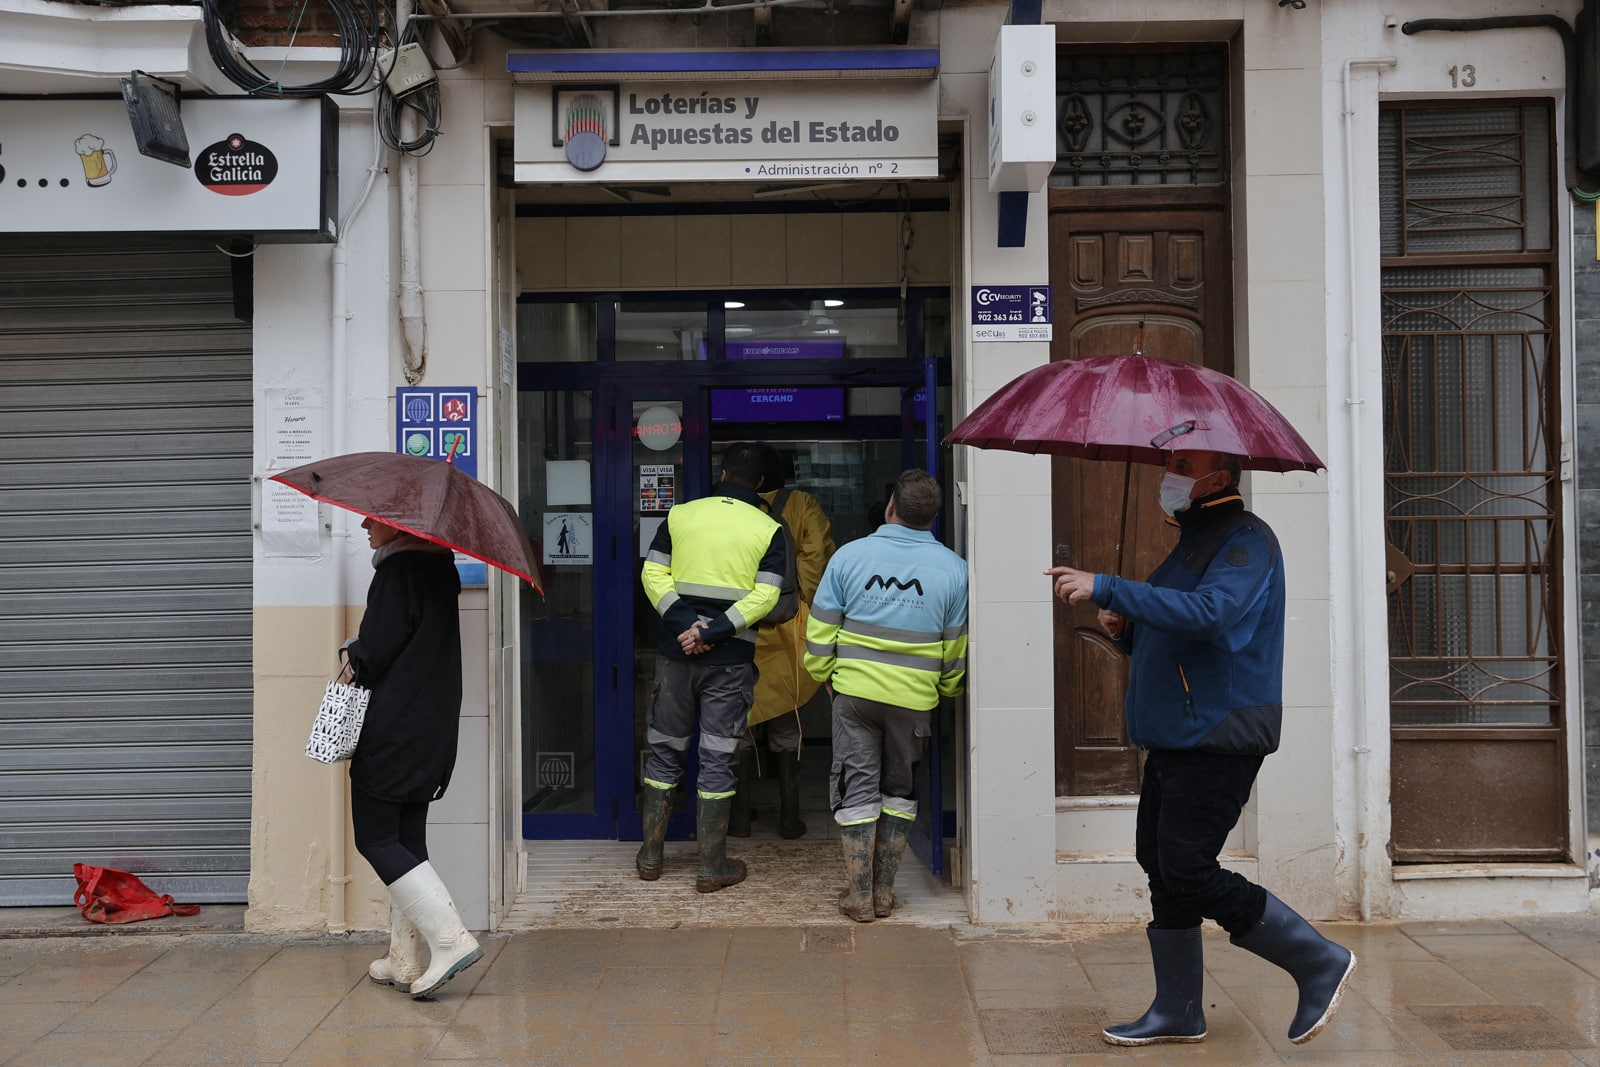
column 1122, row 534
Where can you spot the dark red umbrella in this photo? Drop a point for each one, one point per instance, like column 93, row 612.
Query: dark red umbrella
column 433, row 499
column 1136, row 408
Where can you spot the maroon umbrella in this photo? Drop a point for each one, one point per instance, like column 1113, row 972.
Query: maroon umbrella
column 433, row 499
column 1135, row 408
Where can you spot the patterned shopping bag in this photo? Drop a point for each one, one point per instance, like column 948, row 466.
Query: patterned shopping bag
column 338, row 725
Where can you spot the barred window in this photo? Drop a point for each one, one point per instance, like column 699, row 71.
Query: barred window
column 1154, row 118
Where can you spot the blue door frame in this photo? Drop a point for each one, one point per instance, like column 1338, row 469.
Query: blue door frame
column 615, row 386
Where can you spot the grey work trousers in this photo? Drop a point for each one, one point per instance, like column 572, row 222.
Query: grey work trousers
column 876, row 749
column 783, row 733
column 718, row 696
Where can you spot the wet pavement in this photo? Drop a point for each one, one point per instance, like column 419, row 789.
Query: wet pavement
column 1502, row 993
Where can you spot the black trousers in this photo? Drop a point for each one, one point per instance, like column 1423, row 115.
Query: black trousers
column 392, row 837
column 1188, row 805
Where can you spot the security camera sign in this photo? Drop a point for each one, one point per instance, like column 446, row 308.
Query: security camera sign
column 1011, row 313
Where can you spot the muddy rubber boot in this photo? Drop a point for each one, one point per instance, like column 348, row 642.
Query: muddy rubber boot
column 657, row 810
column 886, row 853
column 717, row 871
column 856, row 901
column 451, row 947
column 789, row 824
column 1320, row 968
column 739, row 815
column 403, row 965
column 1176, row 1014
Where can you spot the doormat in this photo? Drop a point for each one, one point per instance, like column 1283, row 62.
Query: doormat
column 1497, row 1027
column 829, row 940
column 1042, row 1031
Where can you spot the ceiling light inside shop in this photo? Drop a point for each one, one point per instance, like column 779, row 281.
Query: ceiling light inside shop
column 733, row 305
column 833, row 303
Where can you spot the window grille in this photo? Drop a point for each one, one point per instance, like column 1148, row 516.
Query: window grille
column 1141, row 118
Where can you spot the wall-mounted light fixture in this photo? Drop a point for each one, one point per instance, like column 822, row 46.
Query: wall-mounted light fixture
column 153, row 111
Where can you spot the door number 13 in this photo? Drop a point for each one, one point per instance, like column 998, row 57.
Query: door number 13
column 1463, row 77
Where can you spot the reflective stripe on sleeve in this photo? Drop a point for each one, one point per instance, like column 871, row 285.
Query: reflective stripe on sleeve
column 711, row 592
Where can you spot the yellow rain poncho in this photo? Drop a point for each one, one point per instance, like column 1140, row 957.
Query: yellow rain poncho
column 783, row 683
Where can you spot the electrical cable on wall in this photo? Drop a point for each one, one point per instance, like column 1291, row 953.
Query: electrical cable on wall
column 407, row 84
column 361, row 26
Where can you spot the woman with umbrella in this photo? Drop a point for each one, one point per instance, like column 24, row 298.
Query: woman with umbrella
column 408, row 653
column 1206, row 636
column 418, row 513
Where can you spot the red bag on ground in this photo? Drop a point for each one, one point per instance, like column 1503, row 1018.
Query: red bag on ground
column 108, row 895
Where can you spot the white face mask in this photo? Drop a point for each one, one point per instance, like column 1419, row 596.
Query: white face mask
column 1175, row 490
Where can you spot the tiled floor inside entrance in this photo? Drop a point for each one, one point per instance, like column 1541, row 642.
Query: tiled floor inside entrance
column 791, row 883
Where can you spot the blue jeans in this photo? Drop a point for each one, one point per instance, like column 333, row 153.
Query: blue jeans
column 1189, row 804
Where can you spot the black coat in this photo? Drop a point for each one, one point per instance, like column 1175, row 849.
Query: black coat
column 409, row 654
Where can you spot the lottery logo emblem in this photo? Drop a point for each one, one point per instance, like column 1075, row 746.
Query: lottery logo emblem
column 586, row 133
column 454, row 409
column 417, row 444
column 418, row 409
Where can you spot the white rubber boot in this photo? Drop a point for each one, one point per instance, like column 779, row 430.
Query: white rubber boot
column 403, row 964
column 451, row 947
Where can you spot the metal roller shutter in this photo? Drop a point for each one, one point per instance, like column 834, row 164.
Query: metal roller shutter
column 125, row 569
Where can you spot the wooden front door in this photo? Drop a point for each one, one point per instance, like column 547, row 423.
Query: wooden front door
column 1147, row 277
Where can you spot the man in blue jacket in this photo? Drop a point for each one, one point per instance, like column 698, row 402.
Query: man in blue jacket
column 1205, row 698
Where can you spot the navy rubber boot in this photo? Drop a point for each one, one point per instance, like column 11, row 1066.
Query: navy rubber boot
column 1320, row 968
column 1176, row 1014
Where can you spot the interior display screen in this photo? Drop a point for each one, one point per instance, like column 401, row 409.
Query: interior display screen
column 823, row 404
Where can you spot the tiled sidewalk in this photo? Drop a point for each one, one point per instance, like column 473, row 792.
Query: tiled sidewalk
column 1507, row 994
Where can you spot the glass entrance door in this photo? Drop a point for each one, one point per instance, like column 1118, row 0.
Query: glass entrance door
column 657, row 454
column 624, row 403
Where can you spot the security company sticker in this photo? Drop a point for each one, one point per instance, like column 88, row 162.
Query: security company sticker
column 1011, row 313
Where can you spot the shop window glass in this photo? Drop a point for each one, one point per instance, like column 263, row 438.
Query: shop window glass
column 650, row 331
column 556, row 333
column 556, row 470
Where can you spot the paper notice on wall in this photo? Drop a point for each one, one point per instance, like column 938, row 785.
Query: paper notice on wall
column 294, row 428
column 289, row 524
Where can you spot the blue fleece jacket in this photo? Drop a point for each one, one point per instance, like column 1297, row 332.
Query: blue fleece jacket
column 1206, row 635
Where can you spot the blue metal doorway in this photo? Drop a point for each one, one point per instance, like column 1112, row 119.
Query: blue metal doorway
column 624, row 402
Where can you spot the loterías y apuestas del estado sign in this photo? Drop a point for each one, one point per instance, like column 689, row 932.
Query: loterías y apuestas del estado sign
column 776, row 131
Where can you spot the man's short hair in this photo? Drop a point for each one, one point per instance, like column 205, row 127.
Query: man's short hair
column 917, row 498
column 741, row 464
column 772, row 472
column 1226, row 461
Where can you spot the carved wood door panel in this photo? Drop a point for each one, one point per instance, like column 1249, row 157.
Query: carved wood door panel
column 1156, row 281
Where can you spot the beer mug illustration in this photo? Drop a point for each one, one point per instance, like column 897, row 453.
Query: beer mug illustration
column 99, row 162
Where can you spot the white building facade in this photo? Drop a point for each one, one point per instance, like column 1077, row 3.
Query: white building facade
column 1370, row 227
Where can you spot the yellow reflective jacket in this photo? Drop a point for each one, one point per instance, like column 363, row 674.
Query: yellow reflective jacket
column 889, row 621
column 721, row 559
column 784, row 683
